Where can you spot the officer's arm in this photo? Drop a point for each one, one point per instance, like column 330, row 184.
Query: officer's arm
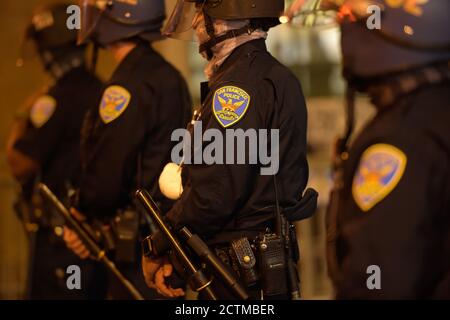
column 211, row 199
column 394, row 245
column 218, row 191
column 112, row 164
column 34, row 135
column 22, row 167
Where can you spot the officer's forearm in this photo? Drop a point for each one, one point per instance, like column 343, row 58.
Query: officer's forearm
column 18, row 130
column 22, row 167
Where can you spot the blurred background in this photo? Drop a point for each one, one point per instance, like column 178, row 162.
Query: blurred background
column 312, row 54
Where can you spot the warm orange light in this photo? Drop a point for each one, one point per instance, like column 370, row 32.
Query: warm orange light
column 408, row 30
column 345, row 12
column 284, row 19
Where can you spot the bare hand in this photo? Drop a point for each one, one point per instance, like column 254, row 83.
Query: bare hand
column 155, row 272
column 72, row 240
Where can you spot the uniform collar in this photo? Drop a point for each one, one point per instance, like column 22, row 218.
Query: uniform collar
column 386, row 93
column 133, row 59
column 58, row 69
column 245, row 50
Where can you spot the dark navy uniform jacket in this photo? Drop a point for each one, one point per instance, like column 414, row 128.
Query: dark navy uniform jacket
column 222, row 202
column 53, row 137
column 394, row 208
column 53, row 141
column 127, row 139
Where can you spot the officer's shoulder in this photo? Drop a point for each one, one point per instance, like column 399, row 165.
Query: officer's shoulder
column 431, row 109
column 383, row 163
column 158, row 65
column 265, row 74
column 76, row 85
column 115, row 100
column 415, row 116
column 279, row 74
column 231, row 101
column 42, row 109
column 157, row 72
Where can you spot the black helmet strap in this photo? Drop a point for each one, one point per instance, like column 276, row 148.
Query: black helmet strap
column 94, row 58
column 214, row 40
column 209, row 25
column 387, row 90
column 59, row 62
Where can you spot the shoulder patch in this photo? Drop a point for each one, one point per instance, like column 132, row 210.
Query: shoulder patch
column 380, row 169
column 115, row 101
column 42, row 110
column 230, row 105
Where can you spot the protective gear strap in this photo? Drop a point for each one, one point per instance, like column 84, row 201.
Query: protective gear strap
column 340, row 157
column 94, row 60
column 385, row 93
column 209, row 25
column 228, row 35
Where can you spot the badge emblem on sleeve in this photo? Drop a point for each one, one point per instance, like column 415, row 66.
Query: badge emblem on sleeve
column 230, row 105
column 42, row 110
column 380, row 169
column 114, row 102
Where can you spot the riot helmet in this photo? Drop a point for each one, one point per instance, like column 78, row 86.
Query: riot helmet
column 262, row 14
column 410, row 34
column 107, row 21
column 48, row 37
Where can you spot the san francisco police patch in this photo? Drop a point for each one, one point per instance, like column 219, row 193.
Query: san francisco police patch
column 114, row 102
column 380, row 169
column 230, row 105
column 42, row 110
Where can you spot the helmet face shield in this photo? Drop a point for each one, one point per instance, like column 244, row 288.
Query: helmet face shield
column 183, row 19
column 91, row 12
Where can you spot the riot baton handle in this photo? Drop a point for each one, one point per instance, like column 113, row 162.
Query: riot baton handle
column 87, row 240
column 198, row 280
column 209, row 258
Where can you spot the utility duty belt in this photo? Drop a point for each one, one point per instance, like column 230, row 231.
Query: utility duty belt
column 269, row 260
column 261, row 262
column 119, row 235
column 265, row 262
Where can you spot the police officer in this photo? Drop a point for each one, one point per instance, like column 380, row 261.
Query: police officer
column 248, row 90
column 389, row 220
column 44, row 146
column 127, row 137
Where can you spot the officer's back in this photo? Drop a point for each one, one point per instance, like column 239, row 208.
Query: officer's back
column 126, row 140
column 389, row 218
column 140, row 137
column 44, row 147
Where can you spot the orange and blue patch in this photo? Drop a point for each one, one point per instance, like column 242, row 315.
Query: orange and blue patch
column 380, row 169
column 230, row 104
column 42, row 110
column 114, row 102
